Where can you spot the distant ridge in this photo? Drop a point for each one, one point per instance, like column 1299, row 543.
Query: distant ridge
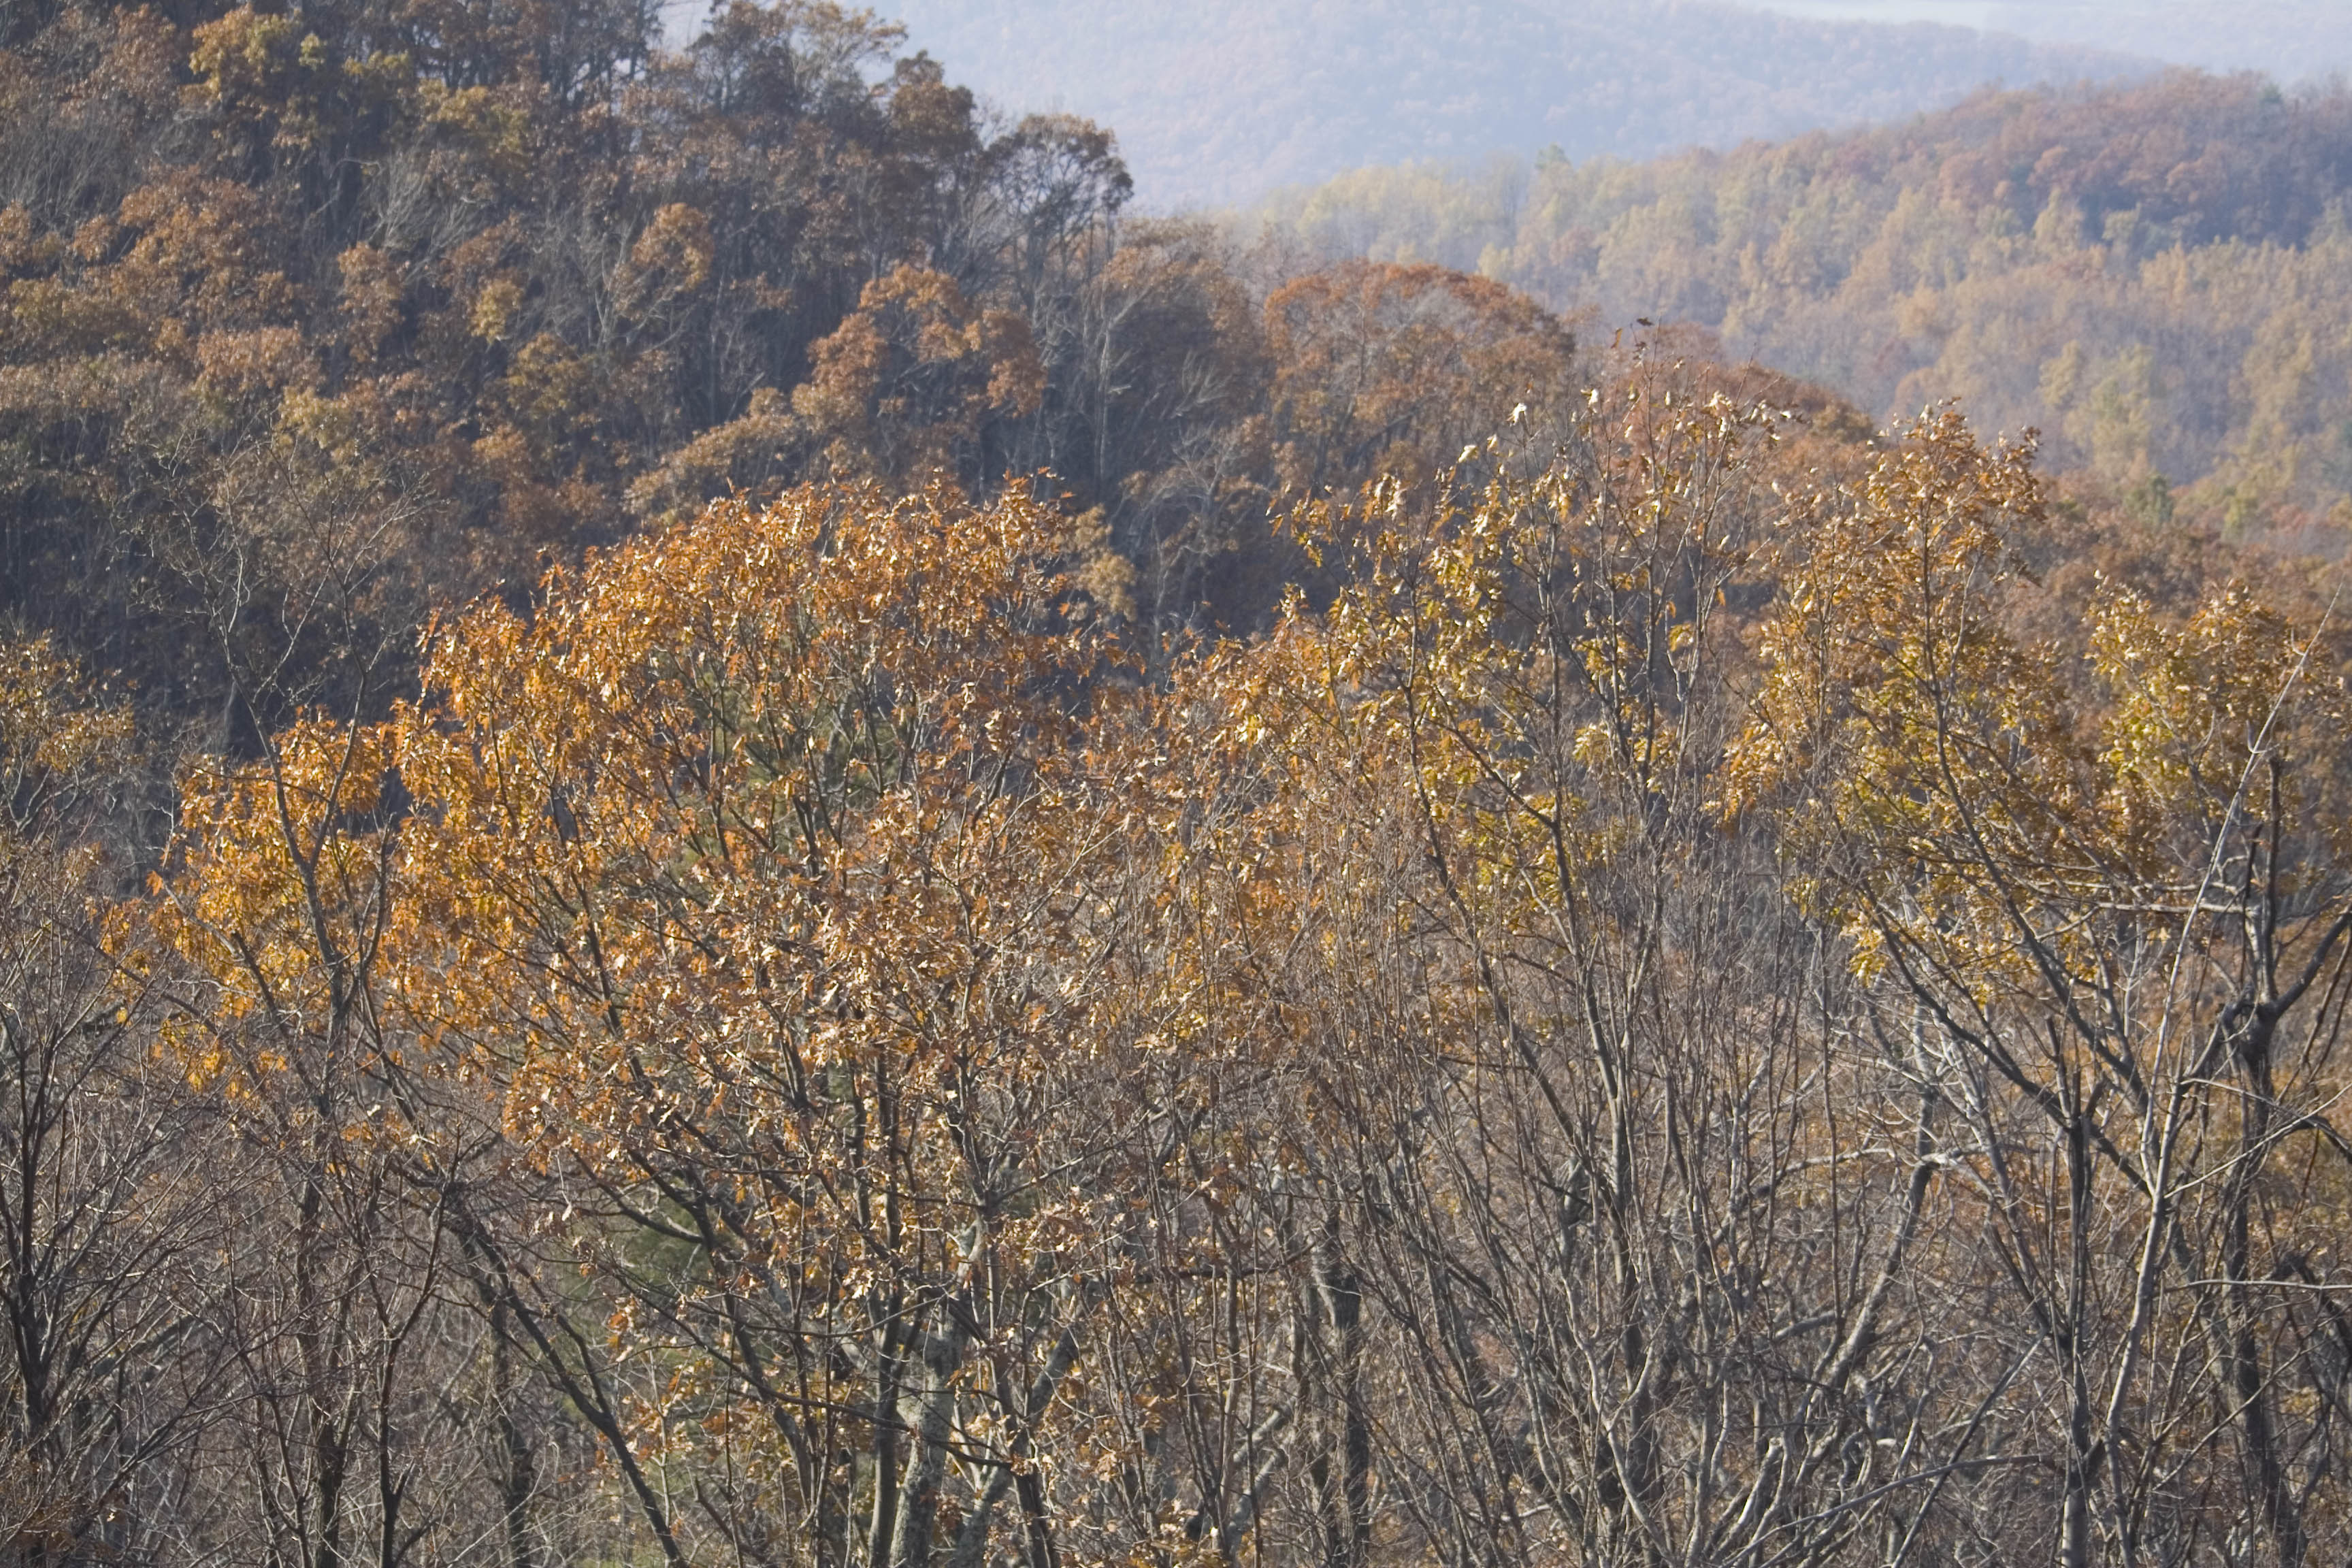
column 2292, row 40
column 2157, row 276
column 1215, row 101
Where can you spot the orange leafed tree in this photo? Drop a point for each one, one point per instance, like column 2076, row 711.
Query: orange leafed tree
column 758, row 872
column 2117, row 921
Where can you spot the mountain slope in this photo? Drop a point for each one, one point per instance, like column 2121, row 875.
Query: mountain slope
column 1216, row 101
column 2157, row 277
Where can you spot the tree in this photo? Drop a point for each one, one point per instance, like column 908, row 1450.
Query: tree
column 2116, row 938
column 105, row 1218
column 908, row 385
column 754, row 872
column 1383, row 369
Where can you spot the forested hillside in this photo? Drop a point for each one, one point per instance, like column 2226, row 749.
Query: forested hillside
column 314, row 322
column 2159, row 278
column 1220, row 100
column 377, row 302
column 733, row 831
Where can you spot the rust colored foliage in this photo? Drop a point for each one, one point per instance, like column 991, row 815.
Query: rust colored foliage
column 907, row 386
column 1383, row 369
column 434, row 287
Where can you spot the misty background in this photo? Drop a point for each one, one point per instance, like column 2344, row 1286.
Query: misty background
column 1216, row 102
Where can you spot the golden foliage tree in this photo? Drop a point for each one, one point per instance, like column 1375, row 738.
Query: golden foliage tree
column 1651, row 1025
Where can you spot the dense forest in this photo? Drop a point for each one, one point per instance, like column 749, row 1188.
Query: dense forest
column 307, row 333
column 2157, row 277
column 733, row 830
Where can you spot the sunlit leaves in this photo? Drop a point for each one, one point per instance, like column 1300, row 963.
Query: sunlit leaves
column 53, row 732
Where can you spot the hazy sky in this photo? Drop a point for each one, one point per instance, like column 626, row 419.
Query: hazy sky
column 1952, row 13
